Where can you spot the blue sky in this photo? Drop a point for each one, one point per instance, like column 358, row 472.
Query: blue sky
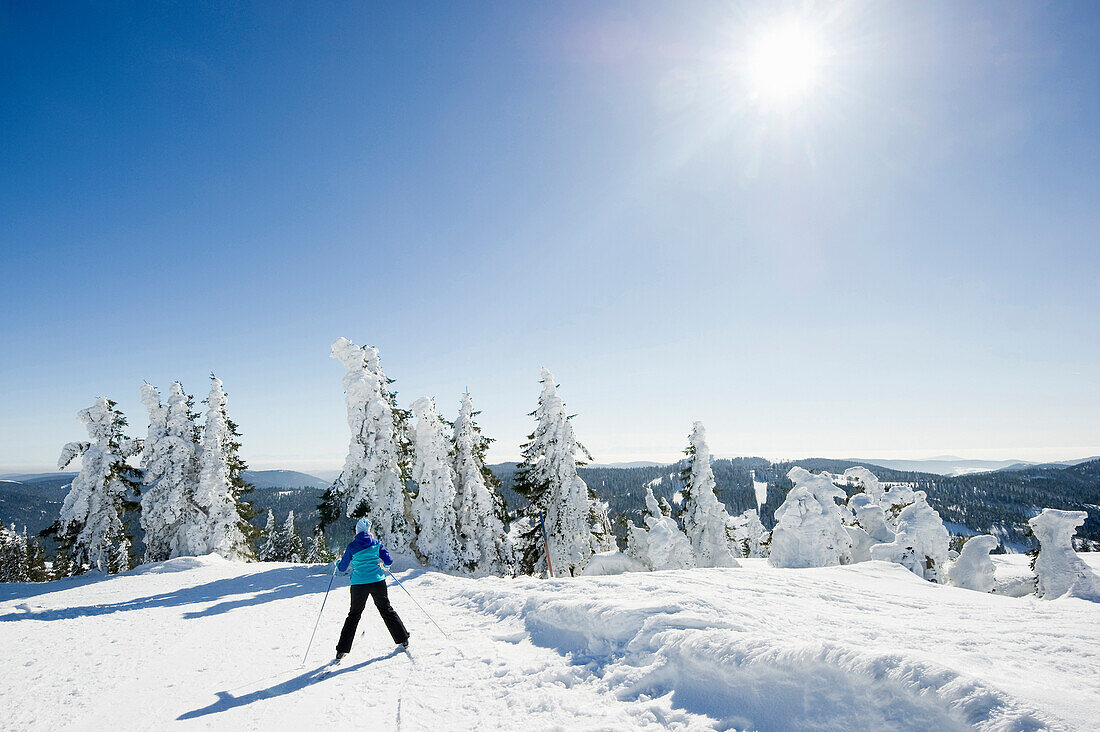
column 903, row 262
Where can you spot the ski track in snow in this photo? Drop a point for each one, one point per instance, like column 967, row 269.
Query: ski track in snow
column 201, row 643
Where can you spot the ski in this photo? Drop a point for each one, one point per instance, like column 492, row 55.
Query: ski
column 329, row 668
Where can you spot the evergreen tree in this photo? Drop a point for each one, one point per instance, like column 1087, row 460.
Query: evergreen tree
column 171, row 470
column 547, row 477
column 269, row 544
column 62, row 565
column 318, row 552
column 91, row 525
column 224, row 525
column 705, row 518
column 37, row 569
column 121, row 560
column 434, row 506
column 293, row 548
column 378, row 464
column 661, row 545
column 480, row 505
column 14, row 565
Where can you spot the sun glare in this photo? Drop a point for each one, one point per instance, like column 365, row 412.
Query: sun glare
column 784, row 63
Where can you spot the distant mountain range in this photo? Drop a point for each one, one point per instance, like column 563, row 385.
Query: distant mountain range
column 950, row 465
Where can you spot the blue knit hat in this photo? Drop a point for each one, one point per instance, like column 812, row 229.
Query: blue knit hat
column 362, row 526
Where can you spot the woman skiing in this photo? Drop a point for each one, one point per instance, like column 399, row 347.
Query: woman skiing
column 363, row 555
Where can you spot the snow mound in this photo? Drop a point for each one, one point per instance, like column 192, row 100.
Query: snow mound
column 608, row 563
column 180, row 564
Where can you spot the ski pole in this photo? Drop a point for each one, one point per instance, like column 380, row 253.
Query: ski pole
column 330, row 579
column 418, row 604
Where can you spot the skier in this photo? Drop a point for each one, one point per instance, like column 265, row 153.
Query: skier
column 363, row 555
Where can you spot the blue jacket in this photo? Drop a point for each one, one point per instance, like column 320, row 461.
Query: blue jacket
column 363, row 554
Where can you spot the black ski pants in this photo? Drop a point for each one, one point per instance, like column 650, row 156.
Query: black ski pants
column 376, row 590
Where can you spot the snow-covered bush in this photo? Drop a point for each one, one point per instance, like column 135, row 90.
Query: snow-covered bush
column 704, row 517
column 372, row 481
column 547, row 477
column 663, row 545
column 1060, row 571
column 808, row 531
column 480, row 517
column 747, row 534
column 973, row 570
column 920, row 541
column 434, row 506
column 91, row 529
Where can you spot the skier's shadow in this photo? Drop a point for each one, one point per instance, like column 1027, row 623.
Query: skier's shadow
column 227, row 701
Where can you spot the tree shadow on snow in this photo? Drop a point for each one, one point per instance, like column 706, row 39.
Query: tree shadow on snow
column 254, row 589
column 227, row 701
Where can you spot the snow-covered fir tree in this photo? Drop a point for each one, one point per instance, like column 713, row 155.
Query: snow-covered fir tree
column 479, row 504
column 171, row 470
column 921, row 541
column 1059, row 571
column 748, row 534
column 808, row 530
column 223, row 525
column 91, row 526
column 372, row 483
column 434, row 506
column 269, row 540
column 866, row 526
column 547, row 477
column 973, row 570
column 14, row 555
column 704, row 517
column 318, row 552
column 599, row 525
column 661, row 545
column 293, row 548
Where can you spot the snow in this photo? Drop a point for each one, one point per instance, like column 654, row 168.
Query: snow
column 205, row 643
column 760, row 489
column 612, row 562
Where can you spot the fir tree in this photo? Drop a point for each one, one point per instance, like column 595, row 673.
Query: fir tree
column 224, row 526
column 704, row 517
column 434, row 506
column 171, row 470
column 547, row 477
column 37, row 569
column 378, row 464
column 318, row 552
column 480, row 505
column 269, row 540
column 91, row 525
column 14, row 564
column 293, row 548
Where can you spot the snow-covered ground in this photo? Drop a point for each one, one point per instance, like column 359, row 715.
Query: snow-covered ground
column 209, row 644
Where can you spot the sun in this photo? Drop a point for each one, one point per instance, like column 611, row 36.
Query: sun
column 784, row 62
